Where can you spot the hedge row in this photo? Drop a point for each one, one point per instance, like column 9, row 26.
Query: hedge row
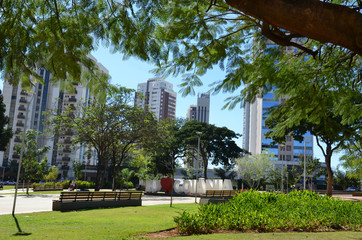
column 268, row 212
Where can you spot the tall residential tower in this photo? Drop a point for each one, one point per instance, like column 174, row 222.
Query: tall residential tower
column 157, row 96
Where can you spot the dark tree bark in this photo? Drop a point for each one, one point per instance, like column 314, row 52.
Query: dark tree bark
column 321, row 21
column 328, row 158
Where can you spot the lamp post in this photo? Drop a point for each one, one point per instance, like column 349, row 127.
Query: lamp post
column 20, row 162
column 306, row 140
column 197, row 162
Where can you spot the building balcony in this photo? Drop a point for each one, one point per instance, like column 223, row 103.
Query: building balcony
column 20, row 124
column 18, row 131
column 66, row 159
column 73, row 92
column 24, row 93
column 67, row 141
column 21, row 116
column 71, row 115
column 23, row 100
column 64, row 167
column 67, row 150
column 71, row 99
column 69, row 132
column 22, row 108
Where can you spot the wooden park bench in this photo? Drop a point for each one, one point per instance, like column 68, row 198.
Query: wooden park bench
column 217, row 196
column 89, row 200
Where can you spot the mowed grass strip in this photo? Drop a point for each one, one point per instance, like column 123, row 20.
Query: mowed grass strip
column 276, row 236
column 112, row 223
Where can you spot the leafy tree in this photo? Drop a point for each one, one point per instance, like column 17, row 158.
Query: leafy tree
column 166, row 147
column 351, row 160
column 254, row 168
column 313, row 169
column 343, row 181
column 111, row 128
column 5, row 133
column 52, row 174
column 34, row 167
column 216, row 143
column 77, row 168
column 125, row 176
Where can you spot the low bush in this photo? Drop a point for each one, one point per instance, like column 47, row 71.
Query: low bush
column 268, row 212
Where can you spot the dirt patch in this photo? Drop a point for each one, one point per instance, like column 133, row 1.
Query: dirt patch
column 162, row 234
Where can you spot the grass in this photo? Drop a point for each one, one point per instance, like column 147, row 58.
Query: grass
column 115, row 223
column 125, row 223
column 276, row 236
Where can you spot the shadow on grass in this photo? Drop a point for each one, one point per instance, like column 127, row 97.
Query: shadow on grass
column 21, row 234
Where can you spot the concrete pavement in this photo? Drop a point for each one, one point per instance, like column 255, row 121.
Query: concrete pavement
column 43, row 202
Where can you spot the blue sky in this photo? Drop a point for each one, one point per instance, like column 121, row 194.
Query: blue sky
column 130, row 72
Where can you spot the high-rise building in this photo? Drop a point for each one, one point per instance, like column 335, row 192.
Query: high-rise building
column 192, row 113
column 157, row 96
column 201, row 111
column 254, row 130
column 25, row 110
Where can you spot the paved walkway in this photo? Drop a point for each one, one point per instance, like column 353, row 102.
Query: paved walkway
column 43, row 202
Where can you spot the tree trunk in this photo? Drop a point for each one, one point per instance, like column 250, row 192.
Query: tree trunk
column 324, row 22
column 328, row 157
column 99, row 169
column 27, row 186
column 205, row 169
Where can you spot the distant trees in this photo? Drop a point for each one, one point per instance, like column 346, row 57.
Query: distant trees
column 216, row 143
column 351, row 160
column 254, row 168
column 313, row 169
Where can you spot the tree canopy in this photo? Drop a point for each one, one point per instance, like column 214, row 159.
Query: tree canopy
column 178, row 35
column 5, row 132
column 217, row 144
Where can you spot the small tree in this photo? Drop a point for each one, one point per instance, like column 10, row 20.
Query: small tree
column 125, row 175
column 77, row 168
column 313, row 169
column 52, row 174
column 34, row 166
column 255, row 167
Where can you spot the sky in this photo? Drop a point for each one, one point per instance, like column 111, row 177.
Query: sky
column 128, row 73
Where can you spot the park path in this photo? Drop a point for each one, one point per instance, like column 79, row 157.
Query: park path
column 43, row 202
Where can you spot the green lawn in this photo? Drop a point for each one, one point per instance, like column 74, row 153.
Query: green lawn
column 124, row 223
column 277, row 236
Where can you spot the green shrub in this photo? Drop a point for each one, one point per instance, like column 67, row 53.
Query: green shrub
column 84, row 185
column 267, row 212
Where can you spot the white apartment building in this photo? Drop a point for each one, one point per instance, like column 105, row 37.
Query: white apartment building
column 25, row 110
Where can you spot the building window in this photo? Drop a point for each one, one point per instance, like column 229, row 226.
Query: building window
column 289, row 148
column 289, row 138
column 289, row 158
